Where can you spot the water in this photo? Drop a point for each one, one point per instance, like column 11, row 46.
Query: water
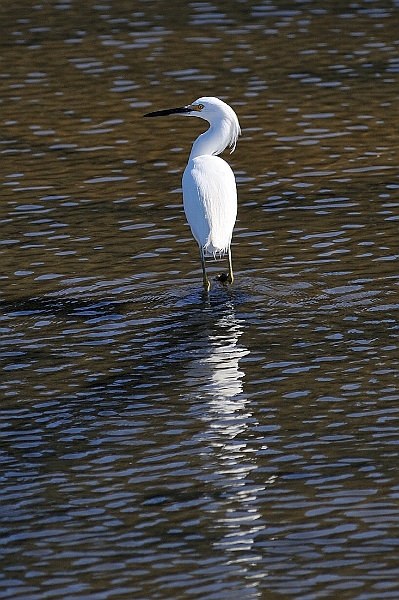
column 157, row 442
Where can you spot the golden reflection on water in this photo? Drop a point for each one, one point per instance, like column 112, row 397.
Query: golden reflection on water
column 76, row 149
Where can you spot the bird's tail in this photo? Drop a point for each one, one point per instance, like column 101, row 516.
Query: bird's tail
column 215, row 250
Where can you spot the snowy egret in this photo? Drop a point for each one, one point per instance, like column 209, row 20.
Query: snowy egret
column 209, row 186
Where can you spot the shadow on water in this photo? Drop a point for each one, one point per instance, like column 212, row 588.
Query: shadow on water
column 190, row 342
column 148, row 336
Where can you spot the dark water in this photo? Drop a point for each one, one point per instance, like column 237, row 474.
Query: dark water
column 156, row 442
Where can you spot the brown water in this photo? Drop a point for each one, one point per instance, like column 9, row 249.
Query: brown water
column 156, row 442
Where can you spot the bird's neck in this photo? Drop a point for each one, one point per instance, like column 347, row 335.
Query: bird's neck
column 211, row 141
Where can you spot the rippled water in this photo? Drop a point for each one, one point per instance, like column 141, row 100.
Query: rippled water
column 158, row 442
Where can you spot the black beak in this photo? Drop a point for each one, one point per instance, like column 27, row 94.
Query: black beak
column 170, row 111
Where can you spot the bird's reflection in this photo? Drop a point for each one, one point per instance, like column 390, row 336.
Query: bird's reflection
column 217, row 377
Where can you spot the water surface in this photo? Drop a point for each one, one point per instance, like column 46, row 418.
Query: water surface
column 158, row 442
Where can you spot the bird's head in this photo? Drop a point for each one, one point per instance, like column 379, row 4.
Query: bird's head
column 211, row 109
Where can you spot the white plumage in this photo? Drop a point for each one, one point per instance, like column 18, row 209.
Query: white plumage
column 209, row 186
column 210, row 202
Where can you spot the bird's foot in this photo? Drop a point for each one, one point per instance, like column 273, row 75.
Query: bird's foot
column 207, row 285
column 223, row 278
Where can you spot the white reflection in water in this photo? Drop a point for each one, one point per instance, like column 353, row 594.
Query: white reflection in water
column 216, row 362
column 226, row 410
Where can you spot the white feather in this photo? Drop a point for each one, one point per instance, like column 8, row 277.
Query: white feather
column 210, row 202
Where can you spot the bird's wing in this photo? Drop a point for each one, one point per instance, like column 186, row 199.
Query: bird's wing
column 210, row 202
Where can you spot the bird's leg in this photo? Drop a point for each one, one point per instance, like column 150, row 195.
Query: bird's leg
column 230, row 277
column 207, row 285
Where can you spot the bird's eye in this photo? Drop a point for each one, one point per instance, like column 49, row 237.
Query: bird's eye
column 200, row 106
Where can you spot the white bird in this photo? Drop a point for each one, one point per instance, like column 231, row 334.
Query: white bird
column 209, row 186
